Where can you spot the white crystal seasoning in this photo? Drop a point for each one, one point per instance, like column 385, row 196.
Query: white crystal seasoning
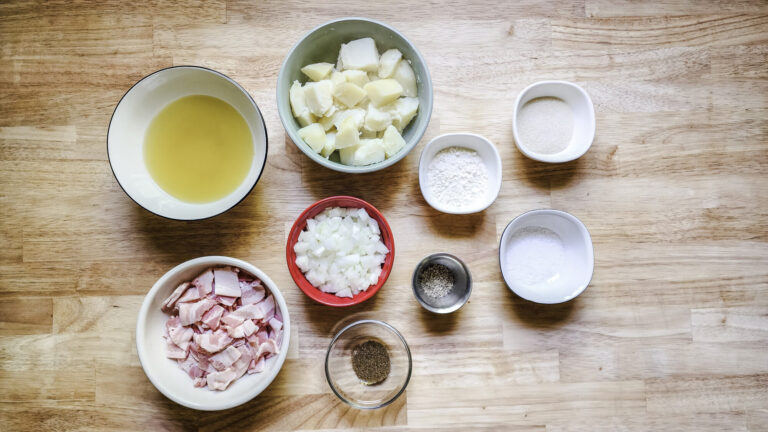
column 457, row 177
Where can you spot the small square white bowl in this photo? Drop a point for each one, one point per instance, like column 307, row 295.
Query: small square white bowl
column 583, row 121
column 487, row 152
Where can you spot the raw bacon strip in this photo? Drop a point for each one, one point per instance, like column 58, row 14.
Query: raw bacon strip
column 173, row 351
column 213, row 317
column 204, row 282
column 253, row 292
column 213, row 342
column 225, row 358
column 170, row 303
column 226, row 301
column 256, row 366
column 190, row 295
column 245, row 329
column 226, row 283
column 221, row 380
column 190, row 313
column 276, row 324
column 180, row 336
column 268, row 347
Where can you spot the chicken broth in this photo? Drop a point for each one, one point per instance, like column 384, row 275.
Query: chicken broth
column 198, row 149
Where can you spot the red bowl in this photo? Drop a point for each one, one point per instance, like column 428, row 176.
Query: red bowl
column 298, row 226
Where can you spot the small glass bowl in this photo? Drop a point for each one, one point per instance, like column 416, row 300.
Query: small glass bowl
column 341, row 377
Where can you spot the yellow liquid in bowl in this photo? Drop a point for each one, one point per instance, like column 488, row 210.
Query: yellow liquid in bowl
column 198, row 149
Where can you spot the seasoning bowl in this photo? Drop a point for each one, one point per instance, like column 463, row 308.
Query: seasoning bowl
column 301, row 222
column 342, row 377
column 487, row 152
column 583, row 122
column 136, row 110
column 166, row 375
column 458, row 294
column 322, row 44
column 566, row 265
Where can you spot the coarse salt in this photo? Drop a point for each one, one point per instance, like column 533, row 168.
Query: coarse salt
column 457, row 177
column 545, row 125
column 535, row 256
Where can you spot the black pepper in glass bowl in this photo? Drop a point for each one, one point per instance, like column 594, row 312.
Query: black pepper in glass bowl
column 442, row 283
column 368, row 364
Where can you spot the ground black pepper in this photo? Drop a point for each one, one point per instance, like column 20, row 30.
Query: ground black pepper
column 436, row 280
column 370, row 361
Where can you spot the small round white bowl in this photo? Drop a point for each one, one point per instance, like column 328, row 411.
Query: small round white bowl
column 166, row 375
column 487, row 152
column 133, row 115
column 583, row 121
column 579, row 256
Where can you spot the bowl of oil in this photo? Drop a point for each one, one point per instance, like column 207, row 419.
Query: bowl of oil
column 187, row 143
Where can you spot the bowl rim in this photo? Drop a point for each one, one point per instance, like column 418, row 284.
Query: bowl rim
column 423, row 173
column 584, row 231
column 285, row 118
column 338, row 335
column 213, row 260
column 215, row 72
column 553, row 158
column 454, row 307
column 301, row 281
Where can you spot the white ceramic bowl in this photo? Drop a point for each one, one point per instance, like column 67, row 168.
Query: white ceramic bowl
column 487, row 152
column 166, row 375
column 135, row 111
column 583, row 122
column 578, row 259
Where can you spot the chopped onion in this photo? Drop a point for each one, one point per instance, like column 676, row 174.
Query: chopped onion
column 341, row 251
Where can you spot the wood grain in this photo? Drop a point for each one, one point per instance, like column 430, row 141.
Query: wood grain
column 672, row 333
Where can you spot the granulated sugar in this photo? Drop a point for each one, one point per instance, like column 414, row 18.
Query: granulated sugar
column 535, row 255
column 457, row 177
column 545, row 125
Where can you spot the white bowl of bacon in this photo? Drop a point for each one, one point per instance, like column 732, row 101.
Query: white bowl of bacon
column 213, row 333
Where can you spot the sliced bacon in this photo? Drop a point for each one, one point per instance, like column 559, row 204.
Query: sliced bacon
column 226, row 301
column 173, row 351
column 256, row 366
column 225, row 282
column 190, row 313
column 221, row 380
column 170, row 303
column 245, row 329
column 204, row 282
column 225, row 358
column 213, row 342
column 276, row 324
column 253, row 292
column 213, row 317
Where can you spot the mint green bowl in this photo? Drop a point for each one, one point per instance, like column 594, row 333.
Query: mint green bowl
column 322, row 45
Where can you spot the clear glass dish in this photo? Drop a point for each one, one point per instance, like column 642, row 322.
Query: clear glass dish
column 341, row 375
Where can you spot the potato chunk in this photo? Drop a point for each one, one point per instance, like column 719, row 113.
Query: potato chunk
column 319, row 97
column 348, row 134
column 392, row 141
column 348, row 94
column 403, row 111
column 330, row 144
column 388, row 62
column 376, row 119
column 384, row 91
column 356, row 77
column 359, row 54
column 405, row 76
column 369, row 151
column 314, row 136
column 317, row 71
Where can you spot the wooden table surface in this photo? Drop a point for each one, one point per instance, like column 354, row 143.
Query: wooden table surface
column 672, row 333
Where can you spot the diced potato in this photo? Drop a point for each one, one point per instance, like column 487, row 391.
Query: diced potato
column 376, row 119
column 356, row 77
column 369, row 151
column 347, row 155
column 403, row 111
column 359, row 54
column 357, row 114
column 373, row 76
column 306, row 118
column 319, row 97
column 405, row 76
column 298, row 101
column 366, row 134
column 317, row 71
column 314, row 136
column 330, row 144
column 348, row 134
column 388, row 62
column 392, row 141
column 337, row 78
column 382, row 92
column 327, row 121
column 348, row 94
